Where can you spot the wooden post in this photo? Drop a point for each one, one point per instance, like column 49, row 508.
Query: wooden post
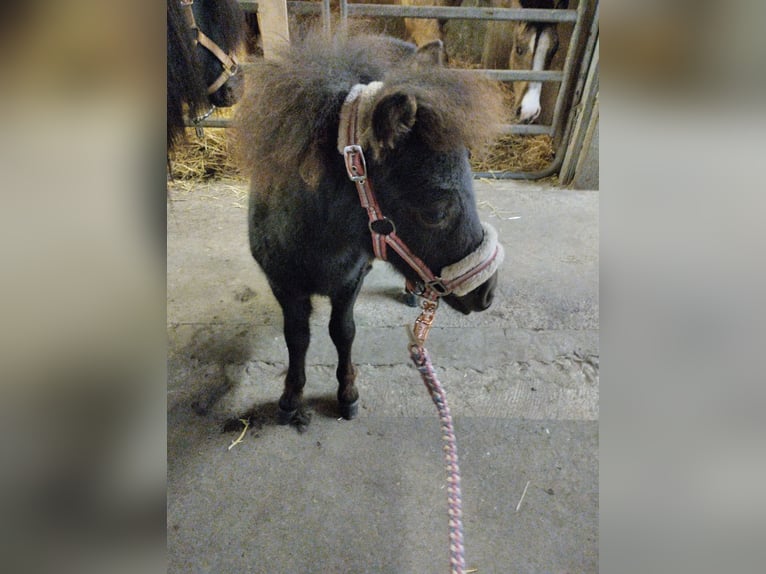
column 272, row 20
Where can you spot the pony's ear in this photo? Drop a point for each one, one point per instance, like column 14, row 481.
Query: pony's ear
column 392, row 119
column 561, row 4
column 431, row 54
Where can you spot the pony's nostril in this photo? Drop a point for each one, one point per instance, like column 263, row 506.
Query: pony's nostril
column 485, row 296
column 489, row 296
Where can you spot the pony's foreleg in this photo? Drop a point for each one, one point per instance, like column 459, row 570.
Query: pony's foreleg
column 342, row 333
column 296, row 312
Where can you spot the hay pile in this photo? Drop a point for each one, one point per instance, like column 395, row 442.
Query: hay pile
column 209, row 157
column 212, row 156
column 518, row 153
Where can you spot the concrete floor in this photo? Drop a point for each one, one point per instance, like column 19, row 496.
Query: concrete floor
column 369, row 495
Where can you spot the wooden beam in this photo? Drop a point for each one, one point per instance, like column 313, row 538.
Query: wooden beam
column 272, row 20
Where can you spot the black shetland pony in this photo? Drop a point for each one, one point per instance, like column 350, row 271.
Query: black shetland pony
column 203, row 36
column 307, row 228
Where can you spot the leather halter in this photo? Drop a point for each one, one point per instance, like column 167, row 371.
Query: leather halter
column 228, row 61
column 467, row 274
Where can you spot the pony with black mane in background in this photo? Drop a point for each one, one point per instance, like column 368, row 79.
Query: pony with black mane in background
column 203, row 71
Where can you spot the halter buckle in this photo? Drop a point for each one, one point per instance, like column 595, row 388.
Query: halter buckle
column 438, row 287
column 356, row 165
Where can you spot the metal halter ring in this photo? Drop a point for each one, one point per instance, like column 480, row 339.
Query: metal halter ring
column 383, row 226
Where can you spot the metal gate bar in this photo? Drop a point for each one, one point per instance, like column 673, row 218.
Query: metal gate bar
column 438, row 12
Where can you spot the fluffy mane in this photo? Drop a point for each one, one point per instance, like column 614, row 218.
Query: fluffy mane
column 287, row 121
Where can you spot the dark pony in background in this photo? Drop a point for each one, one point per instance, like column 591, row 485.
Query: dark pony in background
column 195, row 67
column 307, row 229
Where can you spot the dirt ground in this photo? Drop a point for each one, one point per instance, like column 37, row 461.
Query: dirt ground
column 369, row 495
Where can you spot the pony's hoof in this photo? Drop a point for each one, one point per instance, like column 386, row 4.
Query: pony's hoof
column 409, row 299
column 349, row 411
column 301, row 420
column 298, row 418
column 286, row 417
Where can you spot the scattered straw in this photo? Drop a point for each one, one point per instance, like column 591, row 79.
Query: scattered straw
column 494, row 211
column 238, row 440
column 522, row 497
column 234, row 190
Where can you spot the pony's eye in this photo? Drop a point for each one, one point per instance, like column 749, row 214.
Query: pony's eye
column 434, row 208
column 520, row 49
column 433, row 216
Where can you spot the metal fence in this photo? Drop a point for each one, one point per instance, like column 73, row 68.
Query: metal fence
column 573, row 74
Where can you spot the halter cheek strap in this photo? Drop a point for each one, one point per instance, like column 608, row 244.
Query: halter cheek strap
column 459, row 278
column 229, row 61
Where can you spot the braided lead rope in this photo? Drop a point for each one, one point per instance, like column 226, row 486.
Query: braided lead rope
column 422, row 361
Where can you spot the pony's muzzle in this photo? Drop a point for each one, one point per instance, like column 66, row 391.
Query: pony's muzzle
column 230, row 93
column 527, row 117
column 480, row 299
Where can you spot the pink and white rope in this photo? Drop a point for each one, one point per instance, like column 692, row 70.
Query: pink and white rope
column 422, row 361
